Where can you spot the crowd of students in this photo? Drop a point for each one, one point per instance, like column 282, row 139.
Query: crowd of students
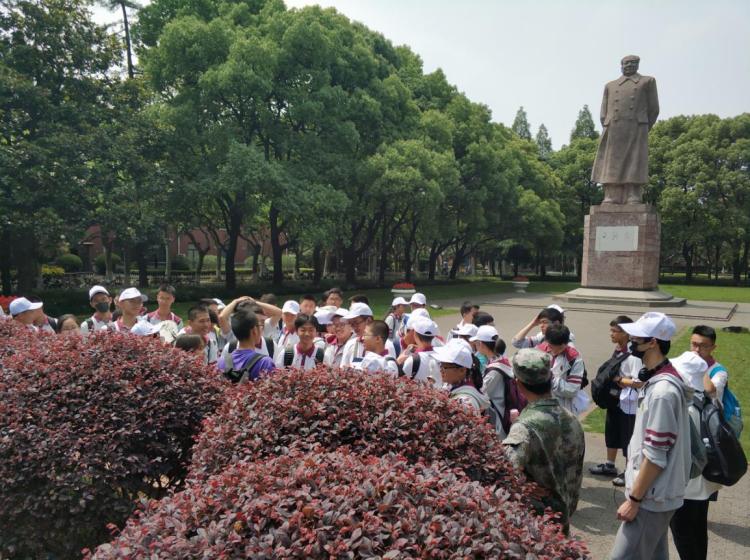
column 532, row 401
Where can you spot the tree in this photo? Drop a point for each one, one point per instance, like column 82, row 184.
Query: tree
column 124, row 5
column 521, row 125
column 543, row 142
column 584, row 126
column 53, row 78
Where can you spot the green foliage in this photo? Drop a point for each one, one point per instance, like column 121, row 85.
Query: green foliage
column 100, row 264
column 521, row 125
column 584, row 126
column 69, row 262
column 181, row 262
column 543, row 142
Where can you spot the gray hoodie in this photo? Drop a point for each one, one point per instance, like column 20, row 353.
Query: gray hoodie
column 468, row 395
column 662, row 434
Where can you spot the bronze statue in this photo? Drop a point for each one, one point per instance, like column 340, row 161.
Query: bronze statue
column 629, row 109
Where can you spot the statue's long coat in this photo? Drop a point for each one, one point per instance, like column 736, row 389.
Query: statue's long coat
column 629, row 109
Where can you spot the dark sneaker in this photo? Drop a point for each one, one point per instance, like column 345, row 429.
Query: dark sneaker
column 619, row 480
column 604, row 469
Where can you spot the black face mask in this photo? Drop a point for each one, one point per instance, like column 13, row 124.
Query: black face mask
column 633, row 347
column 102, row 307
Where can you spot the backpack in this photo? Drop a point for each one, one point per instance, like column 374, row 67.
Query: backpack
column 289, row 356
column 604, row 391
column 726, row 462
column 730, row 404
column 584, row 375
column 513, row 398
column 235, row 376
column 416, row 361
column 698, row 455
column 269, row 346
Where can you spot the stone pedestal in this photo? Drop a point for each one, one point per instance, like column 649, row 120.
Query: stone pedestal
column 621, row 247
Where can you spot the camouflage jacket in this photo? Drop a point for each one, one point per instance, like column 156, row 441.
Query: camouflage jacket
column 547, row 443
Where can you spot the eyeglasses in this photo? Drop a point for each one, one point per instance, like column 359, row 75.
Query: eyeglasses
column 701, row 345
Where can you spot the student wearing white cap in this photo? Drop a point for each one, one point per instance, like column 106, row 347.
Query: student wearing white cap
column 394, row 319
column 101, row 301
column 460, row 373
column 343, row 333
column 416, row 361
column 658, row 467
column 359, row 316
column 484, row 343
column 25, row 311
column 288, row 334
column 568, row 369
column 130, row 303
column 689, row 524
column 146, row 329
column 376, row 358
column 550, row 315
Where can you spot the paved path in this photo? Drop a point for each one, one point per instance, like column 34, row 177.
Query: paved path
column 595, row 521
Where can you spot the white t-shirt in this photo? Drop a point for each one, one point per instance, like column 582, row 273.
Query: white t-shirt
column 719, row 379
column 429, row 369
column 93, row 324
column 335, row 352
column 211, row 350
column 302, row 361
column 375, row 363
column 629, row 395
column 354, row 351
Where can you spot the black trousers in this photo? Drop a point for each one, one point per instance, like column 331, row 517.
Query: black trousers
column 689, row 526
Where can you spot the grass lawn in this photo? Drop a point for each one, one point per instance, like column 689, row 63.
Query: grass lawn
column 733, row 351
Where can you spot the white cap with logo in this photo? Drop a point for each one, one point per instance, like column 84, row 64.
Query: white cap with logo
column 651, row 325
column 485, row 333
column 455, row 352
column 399, row 301
column 418, row 298
column 97, row 290
column 144, row 328
column 132, row 293
column 21, row 305
column 358, row 310
column 467, row 329
column 290, row 306
column 691, row 368
column 425, row 327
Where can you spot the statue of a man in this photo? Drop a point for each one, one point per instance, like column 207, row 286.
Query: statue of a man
column 629, row 109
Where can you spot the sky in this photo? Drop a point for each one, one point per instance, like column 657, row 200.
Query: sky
column 554, row 56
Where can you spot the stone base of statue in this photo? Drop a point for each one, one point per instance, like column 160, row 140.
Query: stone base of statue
column 621, row 244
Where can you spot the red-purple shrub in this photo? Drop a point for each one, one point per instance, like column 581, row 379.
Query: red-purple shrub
column 15, row 337
column 371, row 414
column 87, row 426
column 339, row 505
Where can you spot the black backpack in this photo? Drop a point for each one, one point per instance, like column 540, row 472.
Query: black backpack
column 416, row 361
column 726, row 460
column 605, row 392
column 289, row 356
column 235, row 376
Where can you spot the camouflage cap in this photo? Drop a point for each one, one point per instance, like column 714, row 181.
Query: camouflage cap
column 532, row 366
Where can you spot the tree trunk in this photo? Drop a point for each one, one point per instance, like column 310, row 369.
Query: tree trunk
column 108, row 270
column 687, row 255
column 278, row 272
column 125, row 265
column 235, row 227
column 350, row 265
column 432, row 264
column 457, row 260
column 128, row 45
column 256, row 257
column 317, row 264
column 27, row 267
column 736, row 264
column 5, row 262
column 745, row 258
column 542, row 264
column 142, row 261
column 515, row 268
column 168, row 262
column 383, row 251
column 717, row 262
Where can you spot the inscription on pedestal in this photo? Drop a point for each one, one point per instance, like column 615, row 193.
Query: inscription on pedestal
column 616, row 238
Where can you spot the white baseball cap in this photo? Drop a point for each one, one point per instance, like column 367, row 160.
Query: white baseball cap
column 467, row 329
column 290, row 306
column 425, row 327
column 485, row 333
column 399, row 301
column 21, row 305
column 358, row 310
column 455, row 352
column 421, row 312
column 144, row 328
column 556, row 308
column 97, row 290
column 219, row 304
column 691, row 368
column 341, row 312
column 324, row 316
column 418, row 298
column 651, row 325
column 131, row 293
